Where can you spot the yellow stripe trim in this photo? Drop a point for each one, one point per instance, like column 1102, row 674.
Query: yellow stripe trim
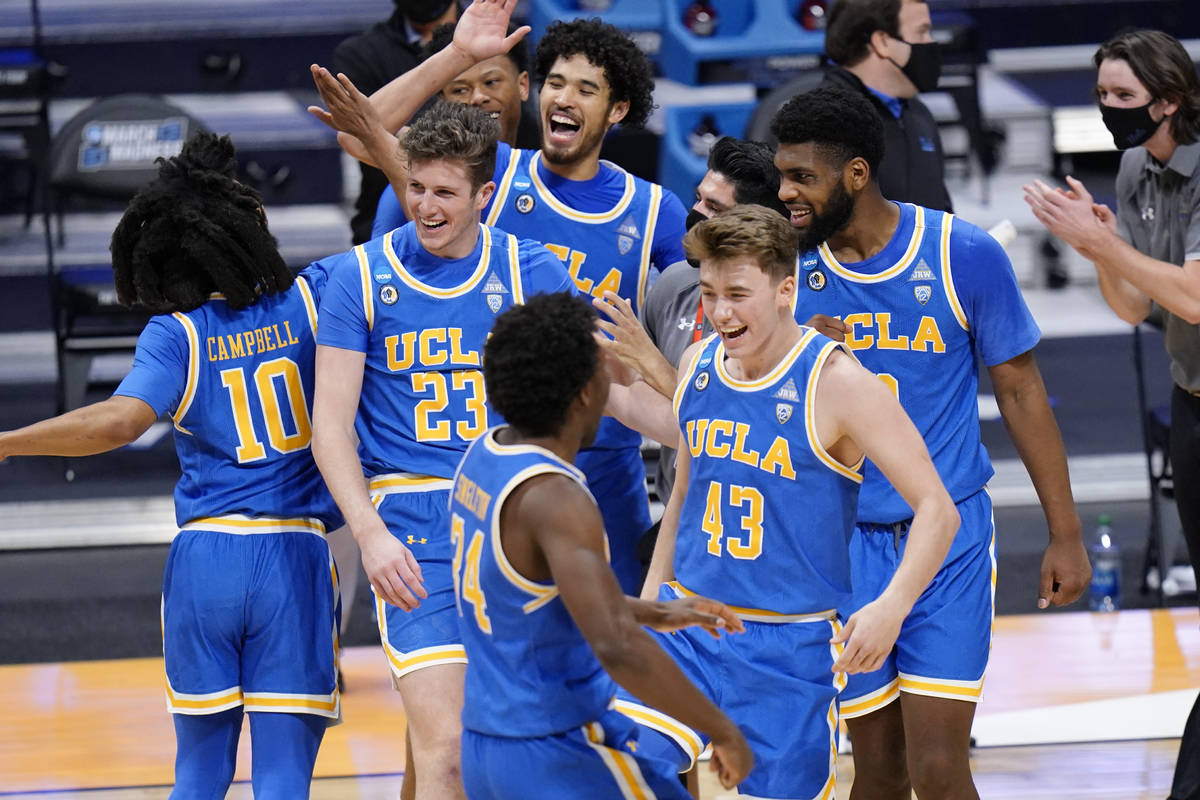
column 948, row 276
column 648, row 242
column 688, row 374
column 295, row 701
column 591, row 218
column 810, row 421
column 622, row 766
column 677, row 731
column 408, row 280
column 914, row 244
column 364, row 279
column 310, row 304
column 874, row 701
column 772, row 376
column 255, row 524
column 233, row 696
column 762, row 614
column 189, row 390
column 393, row 483
column 938, row 689
column 514, row 270
column 501, row 195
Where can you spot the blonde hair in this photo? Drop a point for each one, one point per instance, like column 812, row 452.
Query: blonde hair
column 746, row 230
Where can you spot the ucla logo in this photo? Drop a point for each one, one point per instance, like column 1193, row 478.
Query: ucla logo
column 524, row 203
column 701, row 381
column 388, row 294
column 383, row 276
column 783, row 412
column 494, row 302
column 816, row 280
column 624, row 244
column 922, row 293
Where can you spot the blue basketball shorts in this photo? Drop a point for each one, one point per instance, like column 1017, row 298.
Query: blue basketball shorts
column 617, row 479
column 250, row 616
column 416, row 511
column 776, row 681
column 597, row 761
column 943, row 646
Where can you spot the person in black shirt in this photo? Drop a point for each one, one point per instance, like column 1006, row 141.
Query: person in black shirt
column 883, row 50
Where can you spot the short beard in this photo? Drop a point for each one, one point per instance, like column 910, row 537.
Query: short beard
column 833, row 219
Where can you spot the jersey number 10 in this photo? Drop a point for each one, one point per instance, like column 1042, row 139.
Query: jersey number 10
column 268, row 378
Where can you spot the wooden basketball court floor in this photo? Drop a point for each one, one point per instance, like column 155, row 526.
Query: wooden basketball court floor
column 1077, row 705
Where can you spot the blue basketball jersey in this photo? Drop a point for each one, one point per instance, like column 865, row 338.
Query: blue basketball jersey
column 610, row 250
column 529, row 670
column 238, row 385
column 422, row 320
column 938, row 296
column 766, row 521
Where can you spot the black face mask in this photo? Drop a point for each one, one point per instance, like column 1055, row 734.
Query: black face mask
column 694, row 217
column 1129, row 126
column 924, row 66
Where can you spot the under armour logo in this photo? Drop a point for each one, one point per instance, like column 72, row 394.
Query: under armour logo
column 1148, row 214
column 413, row 540
column 686, row 324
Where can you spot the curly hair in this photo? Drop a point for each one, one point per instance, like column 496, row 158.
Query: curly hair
column 538, row 358
column 444, row 34
column 750, row 167
column 625, row 66
column 195, row 230
column 455, row 132
column 841, row 124
column 1163, row 66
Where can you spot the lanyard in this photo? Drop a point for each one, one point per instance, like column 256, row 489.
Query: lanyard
column 698, row 328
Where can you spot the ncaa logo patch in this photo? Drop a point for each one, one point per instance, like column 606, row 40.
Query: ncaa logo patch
column 783, row 412
column 701, row 381
column 383, row 276
column 816, row 280
column 922, row 293
column 524, row 203
column 494, row 302
column 388, row 294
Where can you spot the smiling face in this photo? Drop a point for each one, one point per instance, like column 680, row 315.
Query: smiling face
column 444, row 208
column 745, row 306
column 814, row 192
column 576, row 111
column 495, row 86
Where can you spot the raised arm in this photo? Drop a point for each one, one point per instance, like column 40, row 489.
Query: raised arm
column 86, row 431
column 858, row 414
column 567, row 528
column 391, row 568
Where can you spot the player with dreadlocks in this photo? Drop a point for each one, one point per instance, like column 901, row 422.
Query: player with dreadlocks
column 229, row 357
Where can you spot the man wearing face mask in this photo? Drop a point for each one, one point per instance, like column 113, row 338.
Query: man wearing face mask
column 1147, row 255
column 883, row 50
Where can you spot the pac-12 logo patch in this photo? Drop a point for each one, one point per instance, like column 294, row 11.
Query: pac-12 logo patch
column 524, row 203
column 494, row 302
column 816, row 280
column 388, row 294
column 701, row 381
column 783, row 412
column 624, row 244
column 922, row 293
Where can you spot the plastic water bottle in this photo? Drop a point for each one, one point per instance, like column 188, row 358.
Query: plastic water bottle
column 1105, row 590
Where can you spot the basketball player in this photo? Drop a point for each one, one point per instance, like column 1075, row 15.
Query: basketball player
column 607, row 226
column 918, row 295
column 249, row 612
column 400, row 395
column 775, row 421
column 544, row 622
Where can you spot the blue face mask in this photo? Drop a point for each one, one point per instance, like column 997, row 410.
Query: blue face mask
column 1129, row 127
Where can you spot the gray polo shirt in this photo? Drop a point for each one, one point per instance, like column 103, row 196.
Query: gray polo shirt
column 669, row 315
column 1158, row 212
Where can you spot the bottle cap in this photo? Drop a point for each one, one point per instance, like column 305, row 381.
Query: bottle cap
column 1104, row 519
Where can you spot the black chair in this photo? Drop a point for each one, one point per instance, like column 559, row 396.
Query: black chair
column 104, row 154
